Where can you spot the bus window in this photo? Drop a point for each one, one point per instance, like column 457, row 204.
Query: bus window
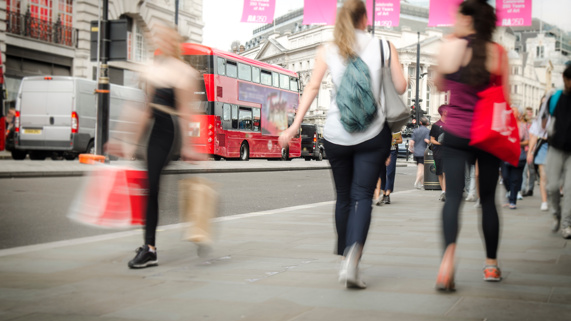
column 257, row 119
column 266, row 78
column 231, row 69
column 276, row 79
column 293, row 84
column 244, row 72
column 245, row 119
column 256, row 75
column 221, row 66
column 202, row 63
column 284, row 82
column 226, row 112
column 234, row 116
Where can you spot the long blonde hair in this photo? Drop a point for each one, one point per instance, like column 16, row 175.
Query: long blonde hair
column 348, row 17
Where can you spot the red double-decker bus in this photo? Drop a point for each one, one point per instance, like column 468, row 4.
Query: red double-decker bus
column 242, row 105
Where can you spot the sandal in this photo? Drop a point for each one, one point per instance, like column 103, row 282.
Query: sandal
column 492, row 273
column 445, row 278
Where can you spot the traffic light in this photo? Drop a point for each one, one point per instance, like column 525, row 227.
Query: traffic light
column 413, row 112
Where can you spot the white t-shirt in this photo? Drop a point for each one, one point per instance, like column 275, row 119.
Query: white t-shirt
column 369, row 51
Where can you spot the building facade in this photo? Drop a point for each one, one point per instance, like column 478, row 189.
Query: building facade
column 53, row 37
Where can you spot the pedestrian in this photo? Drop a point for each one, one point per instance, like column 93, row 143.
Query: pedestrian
column 513, row 175
column 354, row 156
column 529, row 174
column 170, row 87
column 436, row 139
column 418, row 144
column 386, row 182
column 559, row 156
column 537, row 151
column 468, row 63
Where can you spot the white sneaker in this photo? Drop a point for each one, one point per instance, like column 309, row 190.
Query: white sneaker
column 566, row 232
column 519, row 197
column 544, row 207
column 477, row 205
column 471, row 198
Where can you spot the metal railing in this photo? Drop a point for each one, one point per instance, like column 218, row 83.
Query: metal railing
column 35, row 28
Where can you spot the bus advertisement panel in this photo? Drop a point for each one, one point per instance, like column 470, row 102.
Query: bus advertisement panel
column 276, row 106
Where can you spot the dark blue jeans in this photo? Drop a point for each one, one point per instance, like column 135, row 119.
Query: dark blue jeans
column 387, row 175
column 355, row 171
column 512, row 177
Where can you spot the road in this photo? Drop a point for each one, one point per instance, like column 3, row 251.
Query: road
column 33, row 210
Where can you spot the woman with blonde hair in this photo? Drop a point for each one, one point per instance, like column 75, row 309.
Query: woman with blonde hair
column 170, row 84
column 354, row 156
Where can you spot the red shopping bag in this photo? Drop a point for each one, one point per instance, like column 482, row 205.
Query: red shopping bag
column 494, row 126
column 112, row 197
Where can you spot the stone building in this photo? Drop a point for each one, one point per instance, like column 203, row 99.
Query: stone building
column 52, row 37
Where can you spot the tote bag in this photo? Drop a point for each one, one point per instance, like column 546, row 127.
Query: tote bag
column 198, row 204
column 397, row 114
column 494, row 126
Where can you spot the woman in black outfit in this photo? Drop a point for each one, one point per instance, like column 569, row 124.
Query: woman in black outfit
column 170, row 84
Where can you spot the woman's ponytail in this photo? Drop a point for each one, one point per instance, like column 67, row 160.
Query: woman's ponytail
column 348, row 17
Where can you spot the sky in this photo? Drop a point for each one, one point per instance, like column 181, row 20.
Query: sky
column 222, row 18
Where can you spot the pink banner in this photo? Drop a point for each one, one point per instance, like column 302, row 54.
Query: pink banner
column 387, row 13
column 513, row 12
column 258, row 11
column 321, row 12
column 442, row 13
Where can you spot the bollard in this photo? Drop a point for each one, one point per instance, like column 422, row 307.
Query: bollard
column 430, row 178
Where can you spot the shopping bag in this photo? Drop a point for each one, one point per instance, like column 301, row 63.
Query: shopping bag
column 198, row 205
column 111, row 197
column 494, row 126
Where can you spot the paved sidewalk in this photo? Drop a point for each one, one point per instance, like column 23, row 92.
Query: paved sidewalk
column 278, row 265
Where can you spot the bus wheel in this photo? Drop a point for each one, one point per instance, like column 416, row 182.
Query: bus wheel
column 19, row 154
column 244, row 152
column 285, row 154
column 217, row 157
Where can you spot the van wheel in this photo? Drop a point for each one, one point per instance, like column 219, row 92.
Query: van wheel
column 320, row 156
column 244, row 152
column 90, row 148
column 19, row 154
column 307, row 159
column 69, row 156
column 37, row 155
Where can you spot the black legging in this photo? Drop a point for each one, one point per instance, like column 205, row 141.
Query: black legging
column 160, row 147
column 457, row 152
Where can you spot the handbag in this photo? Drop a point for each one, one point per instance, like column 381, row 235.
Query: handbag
column 396, row 113
column 111, row 197
column 198, row 204
column 494, row 126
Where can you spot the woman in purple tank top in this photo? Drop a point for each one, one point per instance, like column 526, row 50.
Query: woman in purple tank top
column 469, row 62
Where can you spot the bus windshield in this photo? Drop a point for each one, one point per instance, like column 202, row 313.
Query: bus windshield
column 204, row 65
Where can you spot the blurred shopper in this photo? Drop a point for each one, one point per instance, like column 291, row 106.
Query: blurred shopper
column 559, row 156
column 386, row 182
column 529, row 174
column 513, row 175
column 537, row 151
column 354, row 157
column 170, row 88
column 437, row 138
column 418, row 144
column 468, row 63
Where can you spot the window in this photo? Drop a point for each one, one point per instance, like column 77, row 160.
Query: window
column 13, row 6
column 221, row 66
column 293, row 84
column 226, row 112
column 275, row 79
column 139, row 45
column 244, row 72
column 266, row 78
column 65, row 8
column 539, row 52
column 284, row 81
column 231, row 69
column 256, row 124
column 41, row 9
column 245, row 119
column 409, row 94
column 411, row 71
column 234, row 116
column 256, row 75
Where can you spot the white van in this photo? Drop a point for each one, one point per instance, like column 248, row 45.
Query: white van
column 56, row 116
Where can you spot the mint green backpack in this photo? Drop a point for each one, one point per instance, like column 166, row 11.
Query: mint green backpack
column 355, row 99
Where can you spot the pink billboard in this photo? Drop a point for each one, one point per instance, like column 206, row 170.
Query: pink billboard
column 442, row 13
column 387, row 13
column 322, row 12
column 259, row 11
column 513, row 12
